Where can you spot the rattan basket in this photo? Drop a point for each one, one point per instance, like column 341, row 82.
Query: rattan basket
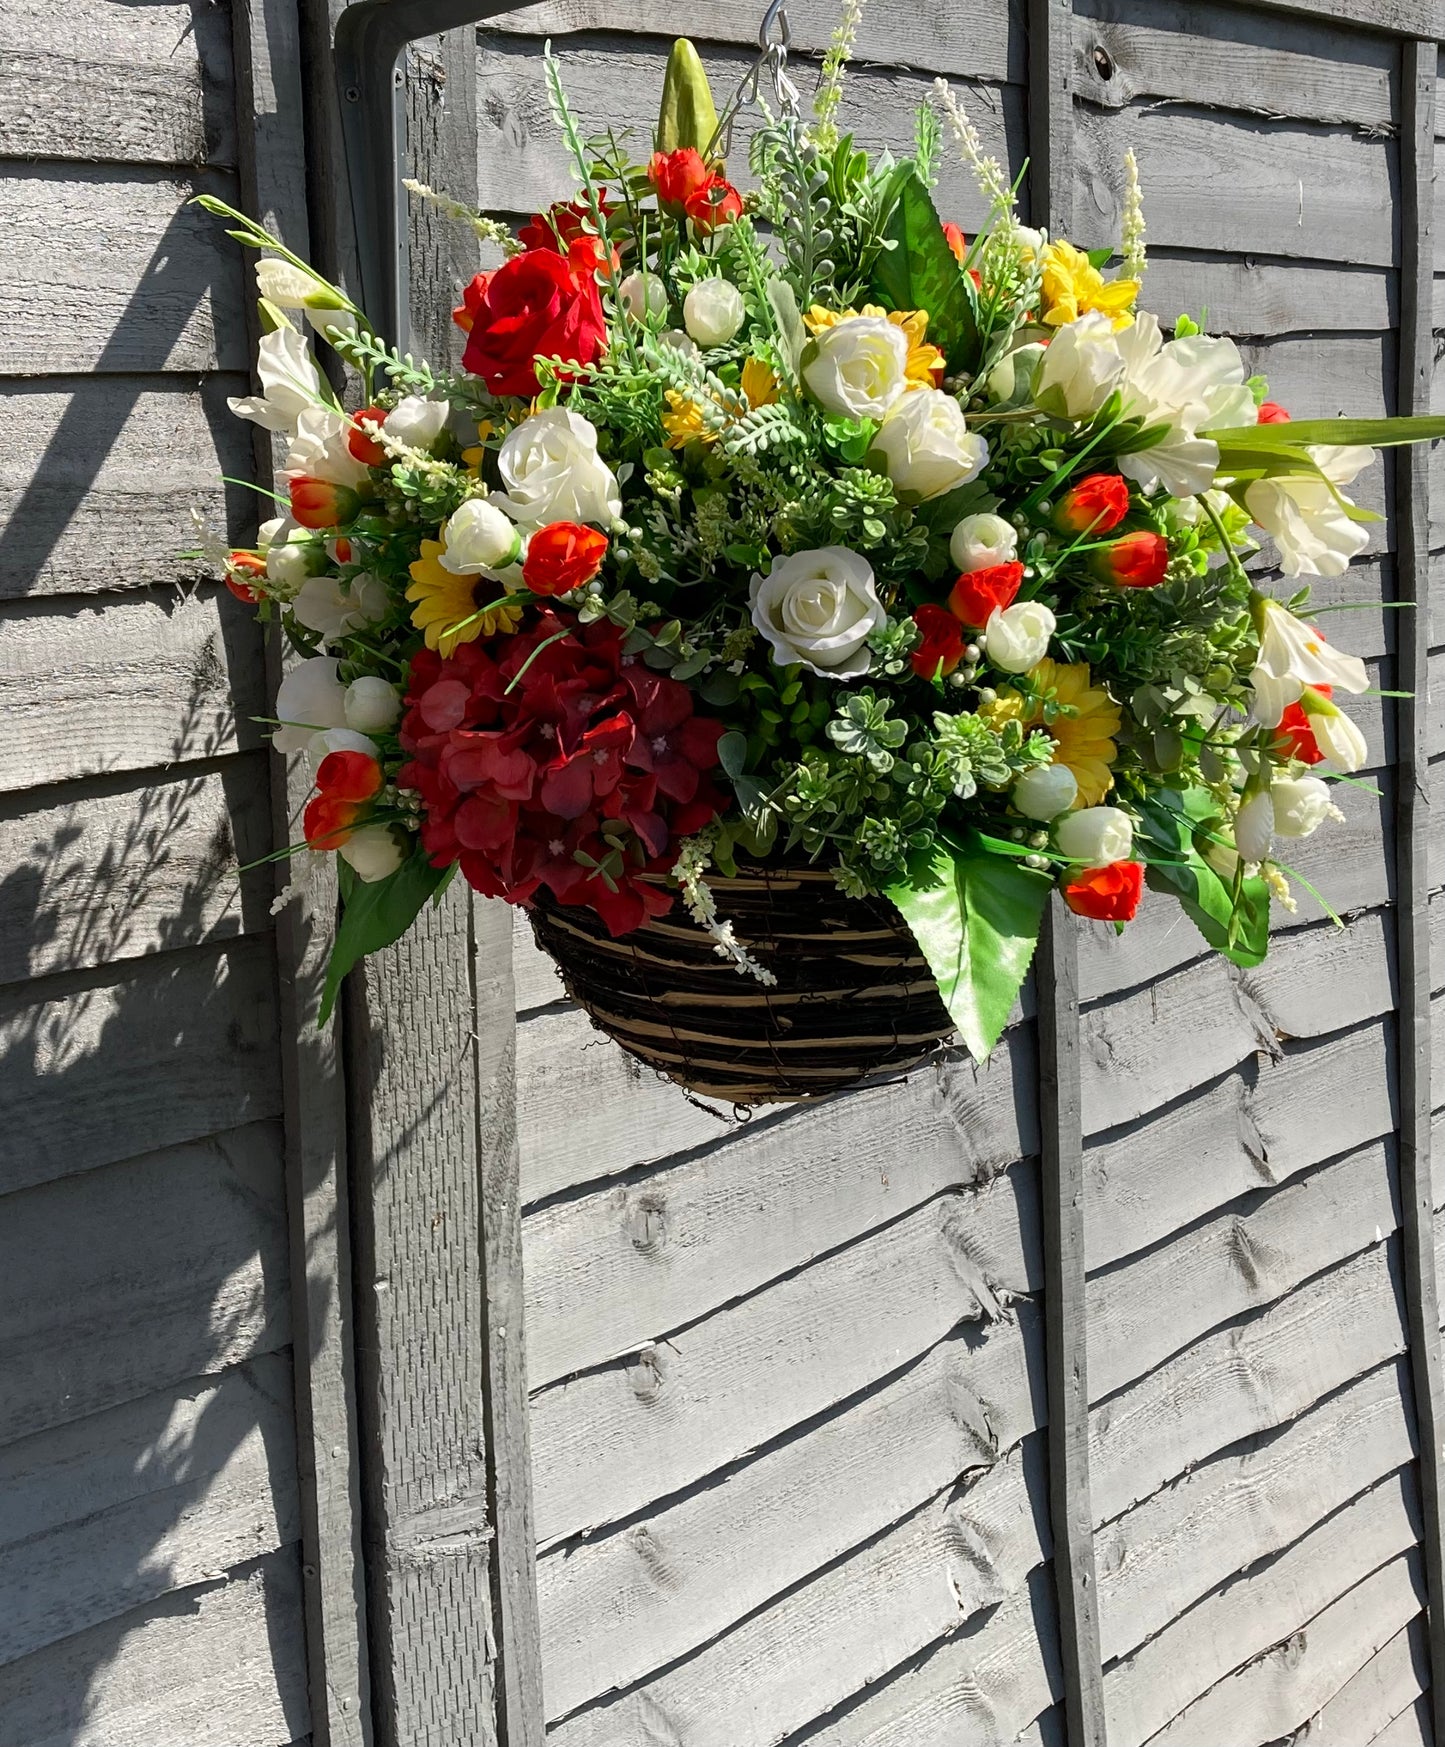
column 854, row 995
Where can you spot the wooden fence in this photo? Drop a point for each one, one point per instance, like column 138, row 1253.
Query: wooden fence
column 1089, row 1395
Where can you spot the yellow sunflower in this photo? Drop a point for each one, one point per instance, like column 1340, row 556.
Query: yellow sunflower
column 1073, row 286
column 923, row 359
column 1083, row 740
column 446, row 604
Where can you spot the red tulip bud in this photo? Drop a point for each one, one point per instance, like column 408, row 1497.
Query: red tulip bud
column 318, row 503
column 1136, row 561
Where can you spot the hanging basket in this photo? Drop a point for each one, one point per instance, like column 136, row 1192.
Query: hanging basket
column 854, row 994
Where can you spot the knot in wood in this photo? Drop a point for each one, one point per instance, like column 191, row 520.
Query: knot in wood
column 647, row 1222
column 646, row 1374
column 1103, row 61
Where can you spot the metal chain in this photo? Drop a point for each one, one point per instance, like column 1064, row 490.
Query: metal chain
column 772, row 58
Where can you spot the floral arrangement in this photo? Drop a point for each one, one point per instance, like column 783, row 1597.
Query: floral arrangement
column 798, row 526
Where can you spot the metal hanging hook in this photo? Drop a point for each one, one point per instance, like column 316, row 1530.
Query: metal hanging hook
column 772, row 57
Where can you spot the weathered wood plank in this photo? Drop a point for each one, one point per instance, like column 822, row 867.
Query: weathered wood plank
column 146, row 85
column 84, row 508
column 182, row 673
column 219, row 1664
column 1410, row 1729
column 109, row 1512
column 158, row 280
column 135, row 871
column 1247, row 296
column 181, row 1048
column 174, row 1266
column 1250, row 1615
column 611, row 1441
column 1370, row 1700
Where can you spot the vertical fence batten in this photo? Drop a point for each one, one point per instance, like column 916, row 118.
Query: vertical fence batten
column 1412, row 477
column 1051, row 138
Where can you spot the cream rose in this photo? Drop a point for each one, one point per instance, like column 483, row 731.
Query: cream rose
column 1096, row 836
column 371, row 705
column 858, row 367
column 1016, row 638
column 926, row 446
column 553, row 473
column 1045, row 792
column 981, row 541
column 1081, row 367
column 478, row 537
column 417, row 422
column 819, row 608
column 712, row 312
column 374, row 852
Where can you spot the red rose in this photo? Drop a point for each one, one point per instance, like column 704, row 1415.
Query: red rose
column 535, row 305
column 1107, row 894
column 717, row 202
column 318, row 503
column 978, row 593
column 567, row 219
column 346, row 784
column 1272, row 413
column 562, row 556
column 1295, row 738
column 470, row 307
column 942, row 647
column 957, row 241
column 1137, row 561
column 678, row 176
column 241, row 564
column 1094, row 505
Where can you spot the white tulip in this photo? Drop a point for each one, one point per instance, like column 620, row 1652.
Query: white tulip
column 340, row 740
column 712, row 312
column 643, row 294
column 417, row 422
column 1016, row 638
column 1301, row 805
column 926, row 446
column 819, row 608
column 1304, row 517
column 319, row 449
column 1045, row 792
column 479, row 538
column 308, row 699
column 332, row 608
column 981, row 541
column 371, row 705
column 1254, row 826
column 858, row 367
column 374, row 852
column 1081, row 367
column 553, row 473
column 1095, row 836
column 1293, row 655
column 290, row 383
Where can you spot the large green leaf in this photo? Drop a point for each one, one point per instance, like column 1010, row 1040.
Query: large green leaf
column 1181, row 869
column 1377, row 433
column 920, row 271
column 375, row 913
column 976, row 917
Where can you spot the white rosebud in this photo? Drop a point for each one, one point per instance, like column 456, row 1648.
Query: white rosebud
column 1254, row 826
column 340, row 740
column 277, row 528
column 858, row 367
column 712, row 312
column 1012, row 377
column 982, row 540
column 680, row 342
column 819, row 608
column 371, row 705
column 1301, row 805
column 1045, row 792
column 1030, row 241
column 552, row 472
column 479, row 537
column 289, row 563
column 1081, row 367
column 926, row 446
column 1016, row 638
column 308, row 699
column 1293, row 655
column 1095, row 836
column 643, row 294
column 374, row 852
column 290, row 383
column 417, row 422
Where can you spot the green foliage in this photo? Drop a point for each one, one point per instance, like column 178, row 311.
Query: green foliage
column 920, row 271
column 1234, row 920
column 374, row 914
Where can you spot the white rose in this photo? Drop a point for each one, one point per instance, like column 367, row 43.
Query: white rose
column 1301, row 805
column 553, row 473
column 319, row 449
column 478, row 537
column 332, row 608
column 374, row 852
column 290, row 383
column 712, row 312
column 371, row 705
column 1305, row 518
column 858, row 367
column 926, row 446
column 1045, row 792
column 417, row 422
column 1254, row 826
column 340, row 740
column 1016, row 638
column 309, row 698
column 1012, row 377
column 982, row 540
column 1081, row 367
column 1293, row 655
column 1095, row 836
column 643, row 294
column 819, row 608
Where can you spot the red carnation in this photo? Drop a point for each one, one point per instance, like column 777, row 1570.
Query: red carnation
column 346, row 784
column 1295, row 736
column 1094, row 505
column 716, row 203
column 1137, row 561
column 562, row 556
column 941, row 648
column 538, row 304
column 1107, row 894
column 678, row 176
column 318, row 503
column 364, row 447
column 979, row 592
column 1272, row 413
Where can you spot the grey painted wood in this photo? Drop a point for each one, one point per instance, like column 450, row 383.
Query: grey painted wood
column 1410, row 1729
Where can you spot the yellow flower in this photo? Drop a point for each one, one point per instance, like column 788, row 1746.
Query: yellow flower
column 1084, row 740
column 446, row 604
column 683, row 421
column 923, row 359
column 760, row 386
column 1073, row 286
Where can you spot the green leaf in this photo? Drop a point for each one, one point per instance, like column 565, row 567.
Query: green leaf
column 1206, row 899
column 1377, row 433
column 732, row 753
column 374, row 913
column 1099, row 257
column 921, row 272
column 976, row 918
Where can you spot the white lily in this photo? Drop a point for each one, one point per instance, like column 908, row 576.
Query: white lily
column 1293, row 655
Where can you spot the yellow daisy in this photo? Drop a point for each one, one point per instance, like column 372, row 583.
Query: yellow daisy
column 923, row 359
column 1084, row 740
column 759, row 385
column 683, row 421
column 1073, row 286
column 446, row 604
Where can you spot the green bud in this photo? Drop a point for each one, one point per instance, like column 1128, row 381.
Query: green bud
column 688, row 116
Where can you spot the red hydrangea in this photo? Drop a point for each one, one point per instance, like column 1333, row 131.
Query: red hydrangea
column 553, row 759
